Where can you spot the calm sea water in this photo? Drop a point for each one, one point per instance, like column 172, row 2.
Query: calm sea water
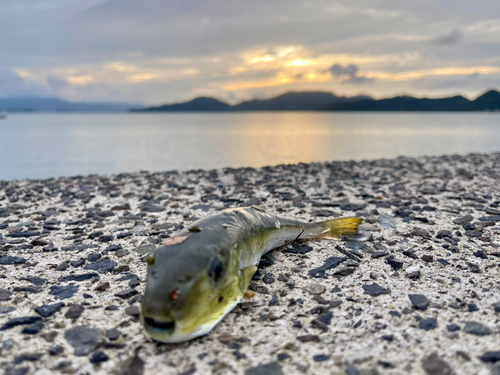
column 50, row 145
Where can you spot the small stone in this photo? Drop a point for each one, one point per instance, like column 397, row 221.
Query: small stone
column 74, row 312
column 126, row 294
column 20, row 321
column 346, row 271
column 9, row 260
column 496, row 306
column 30, row 357
column 387, row 222
column 83, row 339
column 453, row 327
column 428, row 258
column 351, row 371
column 268, row 278
column 103, row 266
column 33, row 329
column 396, row 264
column 132, row 311
column 419, row 301
column 273, row 368
column 472, row 307
column 308, row 338
column 315, row 288
column 102, row 287
column 98, row 357
column 427, row 324
column 94, row 257
column 320, row 357
column 47, row 310
column 375, row 289
column 113, row 334
column 78, row 263
column 433, row 365
column 490, row 357
column 56, row 350
column 63, row 292
column 476, row 328
column 5, row 294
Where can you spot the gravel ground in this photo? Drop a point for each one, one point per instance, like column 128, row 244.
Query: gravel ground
column 421, row 296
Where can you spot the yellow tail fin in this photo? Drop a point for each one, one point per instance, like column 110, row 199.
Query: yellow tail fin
column 338, row 229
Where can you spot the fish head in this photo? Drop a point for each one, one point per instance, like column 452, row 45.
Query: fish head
column 190, row 288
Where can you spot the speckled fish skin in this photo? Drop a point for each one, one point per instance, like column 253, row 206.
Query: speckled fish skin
column 207, row 267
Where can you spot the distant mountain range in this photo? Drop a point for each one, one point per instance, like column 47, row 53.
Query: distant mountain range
column 39, row 104
column 291, row 101
column 311, row 101
column 489, row 101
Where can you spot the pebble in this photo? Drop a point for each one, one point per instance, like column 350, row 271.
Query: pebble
column 427, row 324
column 476, row 328
column 83, row 339
column 64, row 292
column 74, row 312
column 98, row 357
column 5, row 294
column 375, row 289
column 47, row 310
column 20, row 321
column 434, row 365
column 273, row 368
column 315, row 288
column 419, row 301
column 103, row 266
column 12, row 260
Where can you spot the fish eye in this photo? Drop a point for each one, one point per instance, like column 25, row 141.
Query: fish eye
column 216, row 271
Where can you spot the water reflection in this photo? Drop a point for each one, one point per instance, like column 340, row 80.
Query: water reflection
column 47, row 145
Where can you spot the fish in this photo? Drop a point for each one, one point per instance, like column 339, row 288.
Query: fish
column 200, row 274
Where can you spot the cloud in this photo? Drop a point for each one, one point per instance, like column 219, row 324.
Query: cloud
column 351, row 71
column 451, row 38
column 171, row 50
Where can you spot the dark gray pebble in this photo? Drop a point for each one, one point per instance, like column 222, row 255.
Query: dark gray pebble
column 83, row 339
column 419, row 301
column 433, row 365
column 30, row 357
column 98, row 357
column 9, row 260
column 103, row 266
column 375, row 289
column 79, row 278
column 427, row 324
column 74, row 312
column 320, row 357
column 94, row 257
column 490, row 357
column 113, row 334
column 20, row 321
column 78, row 263
column 5, row 294
column 273, row 368
column 126, row 294
column 33, row 329
column 453, row 327
column 56, row 350
column 352, row 371
column 47, row 310
column 476, row 328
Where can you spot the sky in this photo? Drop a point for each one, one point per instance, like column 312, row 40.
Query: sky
column 164, row 51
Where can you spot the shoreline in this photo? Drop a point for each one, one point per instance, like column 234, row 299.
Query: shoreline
column 63, row 240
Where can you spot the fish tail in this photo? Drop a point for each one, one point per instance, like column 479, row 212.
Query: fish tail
column 344, row 228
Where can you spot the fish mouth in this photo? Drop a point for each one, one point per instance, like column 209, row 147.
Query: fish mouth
column 166, row 328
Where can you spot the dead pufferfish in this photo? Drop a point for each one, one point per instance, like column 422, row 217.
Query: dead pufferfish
column 197, row 277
